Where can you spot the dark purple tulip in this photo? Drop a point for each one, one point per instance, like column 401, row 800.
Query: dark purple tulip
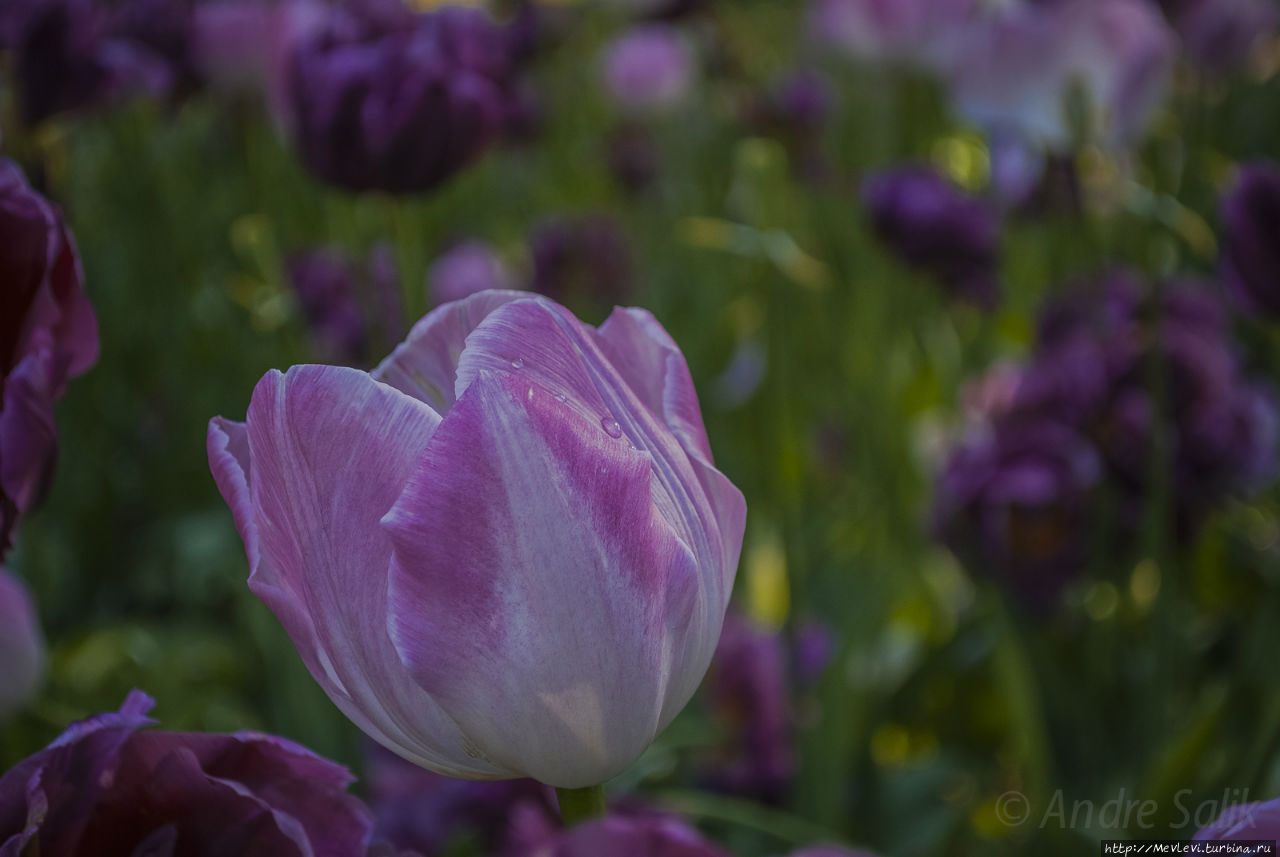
column 617, row 836
column 1251, row 239
column 325, row 283
column 48, row 335
column 420, row 810
column 1245, row 821
column 69, row 55
column 933, row 227
column 465, row 269
column 584, row 257
column 398, row 109
column 21, row 644
column 1098, row 355
column 1221, row 35
column 1013, row 504
column 105, row 787
column 748, row 693
column 338, row 296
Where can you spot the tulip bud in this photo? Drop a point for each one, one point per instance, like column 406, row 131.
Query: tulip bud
column 503, row 553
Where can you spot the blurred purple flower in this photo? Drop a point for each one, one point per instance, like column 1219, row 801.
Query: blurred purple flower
column 396, row 108
column 618, row 836
column 106, row 788
column 914, row 32
column 465, row 269
column 48, row 335
column 814, row 648
column 1098, row 355
column 74, row 54
column 425, row 812
column 1014, row 70
column 378, row 512
column 1251, row 239
column 581, row 258
column 648, row 68
column 1013, row 503
column 21, row 646
column 326, row 284
column 1258, row 821
column 748, row 691
column 933, row 227
column 1221, row 35
column 1117, row 367
column 246, row 44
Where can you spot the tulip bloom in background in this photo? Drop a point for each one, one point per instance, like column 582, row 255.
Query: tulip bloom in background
column 1013, row 70
column 1079, row 422
column 1251, row 243
column 21, row 644
column 397, row 103
column 106, row 788
column 933, row 227
column 649, row 68
column 48, row 335
column 465, row 269
column 503, row 553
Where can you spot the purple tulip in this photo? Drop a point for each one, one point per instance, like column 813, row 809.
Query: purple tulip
column 246, row 44
column 21, row 644
column 1251, row 239
column 1013, row 71
column 396, row 108
column 73, row 54
column 1094, row 365
column 1245, row 821
column 581, row 258
column 107, row 788
column 325, row 283
column 914, row 32
column 648, row 68
column 1221, row 35
column 616, row 836
column 749, row 694
column 465, row 269
column 48, row 335
column 933, row 227
column 424, row 811
column 504, row 553
column 1013, row 504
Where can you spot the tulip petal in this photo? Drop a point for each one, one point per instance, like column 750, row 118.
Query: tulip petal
column 425, row 364
column 534, row 590
column 541, row 342
column 331, row 450
column 651, row 362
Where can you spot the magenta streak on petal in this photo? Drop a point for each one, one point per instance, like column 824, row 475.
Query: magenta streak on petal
column 543, row 564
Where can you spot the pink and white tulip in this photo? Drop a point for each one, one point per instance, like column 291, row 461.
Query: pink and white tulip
column 506, row 551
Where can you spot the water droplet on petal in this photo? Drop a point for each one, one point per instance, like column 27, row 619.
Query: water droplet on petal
column 611, row 427
column 518, row 363
column 560, row 397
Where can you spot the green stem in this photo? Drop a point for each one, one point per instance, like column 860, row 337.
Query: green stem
column 578, row 805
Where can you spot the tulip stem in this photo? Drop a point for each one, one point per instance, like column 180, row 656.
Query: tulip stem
column 578, row 805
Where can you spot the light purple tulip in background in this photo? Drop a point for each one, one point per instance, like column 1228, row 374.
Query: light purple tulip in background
column 506, row 551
